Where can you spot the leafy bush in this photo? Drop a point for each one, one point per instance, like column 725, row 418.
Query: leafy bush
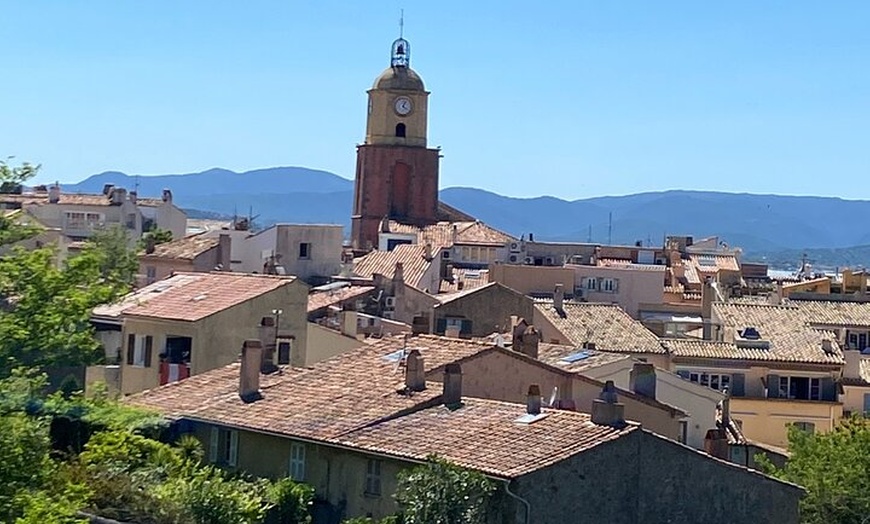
column 291, row 502
column 208, row 496
column 439, row 492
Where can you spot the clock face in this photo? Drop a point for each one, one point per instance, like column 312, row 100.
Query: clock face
column 403, row 105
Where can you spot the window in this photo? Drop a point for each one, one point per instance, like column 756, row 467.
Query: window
column 590, row 283
column 809, row 427
column 150, row 274
column 77, row 220
column 283, row 352
column 684, row 432
column 304, row 250
column 297, row 461
column 856, row 340
column 609, row 285
column 223, row 446
column 139, row 350
column 400, row 130
column 715, row 381
column 867, row 404
column 373, row 477
column 800, row 388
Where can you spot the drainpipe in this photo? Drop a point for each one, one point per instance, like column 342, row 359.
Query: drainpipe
column 507, row 488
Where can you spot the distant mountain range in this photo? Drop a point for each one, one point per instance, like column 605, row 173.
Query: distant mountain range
column 769, row 226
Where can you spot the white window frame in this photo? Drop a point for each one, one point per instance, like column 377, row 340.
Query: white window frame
column 296, row 466
column 373, row 485
column 590, row 283
column 609, row 285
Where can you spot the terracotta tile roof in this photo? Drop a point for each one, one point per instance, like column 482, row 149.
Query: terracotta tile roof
column 606, row 325
column 691, row 273
column 192, row 296
column 442, row 233
column 470, row 278
column 355, row 400
column 322, row 299
column 824, row 313
column 485, row 435
column 576, row 359
column 72, row 199
column 333, row 397
column 450, row 297
column 784, row 328
column 713, row 263
column 412, row 256
column 187, row 248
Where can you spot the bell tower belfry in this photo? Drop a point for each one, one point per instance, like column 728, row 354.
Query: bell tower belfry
column 396, row 173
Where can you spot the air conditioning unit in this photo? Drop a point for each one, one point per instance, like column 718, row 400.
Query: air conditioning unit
column 390, row 302
column 530, row 261
column 515, row 247
column 514, row 258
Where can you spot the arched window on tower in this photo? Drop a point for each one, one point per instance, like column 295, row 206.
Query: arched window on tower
column 400, row 130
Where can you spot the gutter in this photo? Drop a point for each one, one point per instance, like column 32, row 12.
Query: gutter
column 507, row 488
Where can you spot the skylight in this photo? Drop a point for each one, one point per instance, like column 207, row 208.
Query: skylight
column 395, row 356
column 528, row 418
column 576, row 357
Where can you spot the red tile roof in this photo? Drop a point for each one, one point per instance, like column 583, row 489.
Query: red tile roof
column 415, row 265
column 192, row 296
column 187, row 248
column 322, row 299
column 445, row 234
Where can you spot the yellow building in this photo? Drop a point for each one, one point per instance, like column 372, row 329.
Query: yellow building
column 194, row 322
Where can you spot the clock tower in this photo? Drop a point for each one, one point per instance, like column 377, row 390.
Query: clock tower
column 396, row 173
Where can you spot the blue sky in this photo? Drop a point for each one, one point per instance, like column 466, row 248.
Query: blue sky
column 573, row 99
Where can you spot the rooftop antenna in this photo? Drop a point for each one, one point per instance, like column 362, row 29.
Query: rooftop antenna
column 401, row 23
column 610, row 228
column 136, row 184
column 589, row 238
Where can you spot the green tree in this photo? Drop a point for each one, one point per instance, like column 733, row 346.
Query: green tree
column 46, row 320
column 153, row 237
column 439, row 492
column 117, row 260
column 12, row 178
column 834, row 467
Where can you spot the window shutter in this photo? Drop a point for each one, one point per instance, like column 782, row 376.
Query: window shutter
column 440, row 326
column 772, row 386
column 233, row 454
column 684, row 374
column 738, row 385
column 213, row 442
column 829, row 389
column 131, row 349
column 866, row 404
column 465, row 329
column 149, row 346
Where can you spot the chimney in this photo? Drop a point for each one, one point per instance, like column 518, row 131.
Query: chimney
column 526, row 340
column 150, row 244
column 533, row 400
column 455, row 234
column 726, row 409
column 118, row 196
column 349, row 323
column 107, row 190
column 54, row 194
column 716, row 443
column 606, row 409
column 415, row 371
column 707, row 299
column 642, row 379
column 427, row 252
column 828, row 346
column 452, row 395
column 224, row 251
column 167, row 196
column 134, row 196
column 559, row 297
column 268, row 334
column 399, row 274
column 249, row 378
column 531, row 237
column 385, row 225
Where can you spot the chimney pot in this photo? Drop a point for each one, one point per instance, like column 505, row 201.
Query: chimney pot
column 415, row 371
column 224, row 252
column 249, row 377
column 533, row 400
column 167, row 196
column 134, row 196
column 606, row 409
column 452, row 395
column 559, row 297
column 399, row 274
column 642, row 379
column 54, row 194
